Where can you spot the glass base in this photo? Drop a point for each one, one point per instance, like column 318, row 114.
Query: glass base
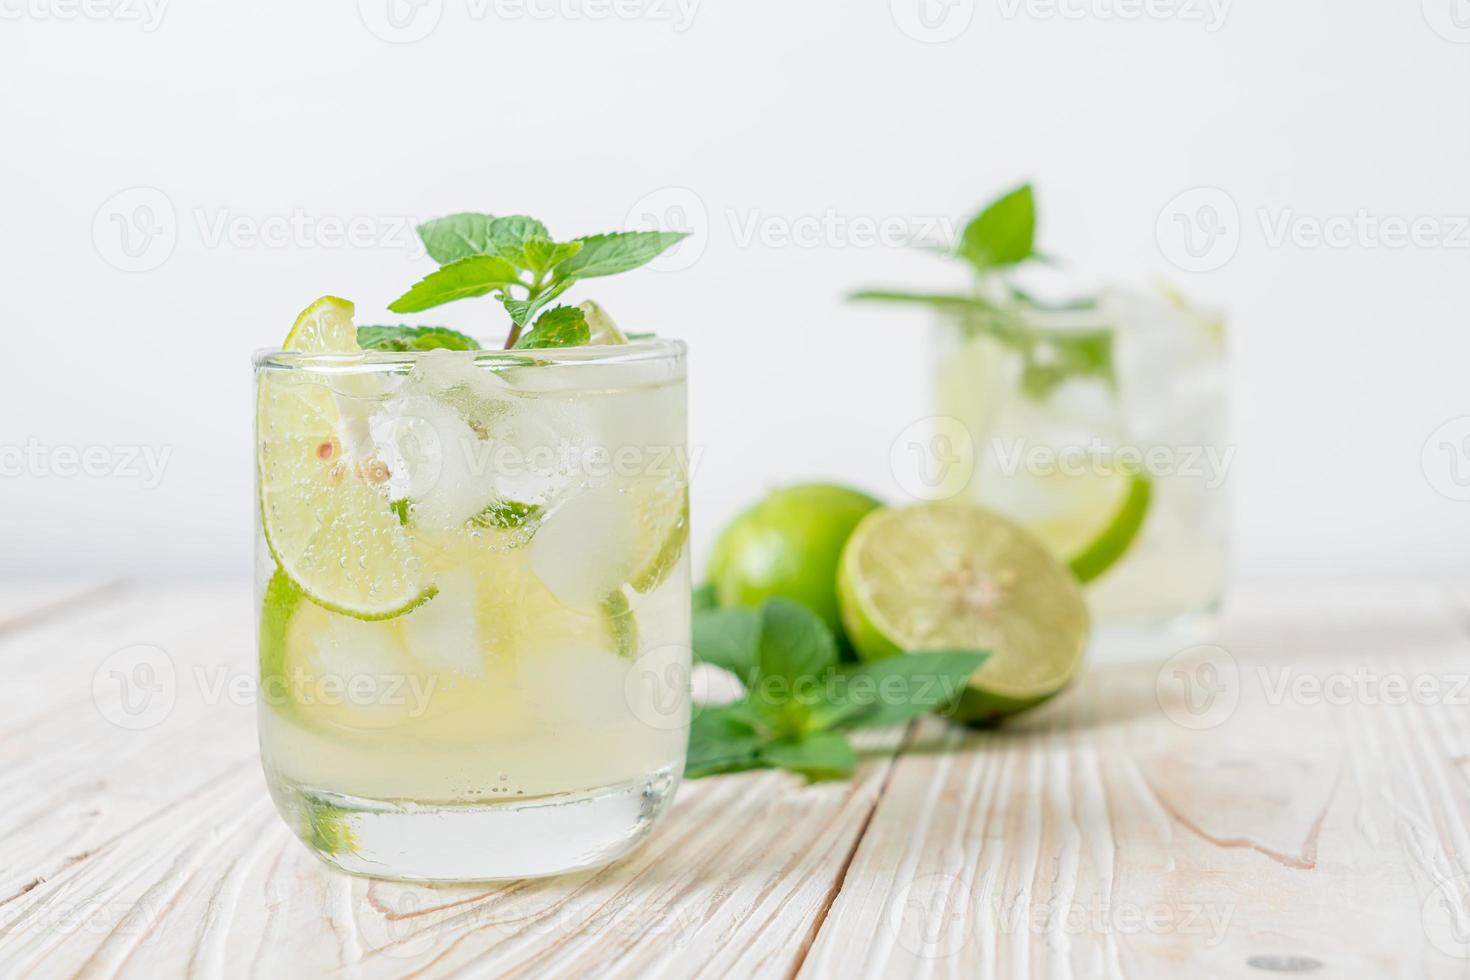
column 463, row 842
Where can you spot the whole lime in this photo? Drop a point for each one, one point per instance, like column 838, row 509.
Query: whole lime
column 789, row 545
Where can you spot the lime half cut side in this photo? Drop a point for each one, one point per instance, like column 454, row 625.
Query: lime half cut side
column 326, row 517
column 956, row 576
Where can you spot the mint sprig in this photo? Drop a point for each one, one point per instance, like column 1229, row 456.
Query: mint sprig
column 405, row 338
column 997, row 241
column 799, row 700
column 516, row 259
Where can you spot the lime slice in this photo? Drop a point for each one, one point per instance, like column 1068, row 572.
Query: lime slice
column 324, row 327
column 956, row 576
column 1103, row 515
column 604, row 331
column 663, row 520
column 327, row 520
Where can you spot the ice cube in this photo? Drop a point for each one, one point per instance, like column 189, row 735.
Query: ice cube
column 435, row 459
column 443, row 633
column 586, row 547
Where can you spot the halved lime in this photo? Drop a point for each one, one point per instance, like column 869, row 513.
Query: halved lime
column 956, row 576
column 1103, row 515
column 327, row 520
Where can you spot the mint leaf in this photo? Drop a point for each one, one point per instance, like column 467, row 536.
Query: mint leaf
column 506, row 515
column 896, row 689
column 405, row 338
column 943, row 300
column 703, row 598
column 523, row 310
column 459, row 236
column 816, row 755
column 542, row 254
column 561, row 326
column 728, row 638
column 606, row 255
column 722, row 739
column 1002, row 234
column 473, row 276
column 401, row 508
column 794, row 656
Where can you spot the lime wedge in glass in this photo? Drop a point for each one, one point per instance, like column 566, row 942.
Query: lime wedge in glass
column 604, row 330
column 1103, row 515
column 326, row 517
column 956, row 576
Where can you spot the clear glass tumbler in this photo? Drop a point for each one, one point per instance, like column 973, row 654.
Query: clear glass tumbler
column 474, row 590
column 1102, row 429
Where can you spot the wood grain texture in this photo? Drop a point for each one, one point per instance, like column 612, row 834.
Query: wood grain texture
column 1308, row 817
column 1297, row 795
column 155, row 851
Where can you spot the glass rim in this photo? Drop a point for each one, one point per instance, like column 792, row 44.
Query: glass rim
column 642, row 351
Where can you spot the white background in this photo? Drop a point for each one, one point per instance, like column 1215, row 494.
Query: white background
column 1346, row 358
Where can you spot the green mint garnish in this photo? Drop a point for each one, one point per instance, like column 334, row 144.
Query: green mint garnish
column 560, row 326
column 515, row 258
column 405, row 338
column 1003, row 233
column 506, row 515
column 995, row 242
column 799, row 699
column 327, row 828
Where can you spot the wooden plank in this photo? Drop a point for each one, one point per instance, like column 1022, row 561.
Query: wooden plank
column 153, row 850
column 1124, row 831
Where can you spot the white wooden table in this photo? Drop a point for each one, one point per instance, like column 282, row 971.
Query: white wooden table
column 1296, row 800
